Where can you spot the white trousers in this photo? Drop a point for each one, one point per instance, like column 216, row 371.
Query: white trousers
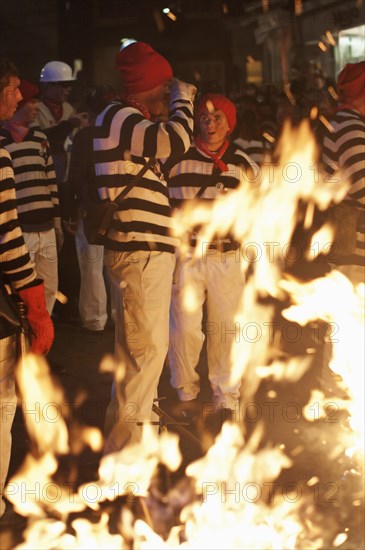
column 8, row 402
column 142, row 287
column 215, row 278
column 43, row 253
column 93, row 297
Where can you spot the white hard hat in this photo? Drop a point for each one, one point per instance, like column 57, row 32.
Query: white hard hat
column 56, row 71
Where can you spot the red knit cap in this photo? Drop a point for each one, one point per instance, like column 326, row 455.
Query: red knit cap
column 219, row 102
column 29, row 91
column 351, row 80
column 142, row 68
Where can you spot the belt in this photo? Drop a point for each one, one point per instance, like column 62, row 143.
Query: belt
column 224, row 246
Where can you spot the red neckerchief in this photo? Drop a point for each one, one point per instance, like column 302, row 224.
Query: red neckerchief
column 347, row 106
column 55, row 108
column 16, row 130
column 129, row 99
column 216, row 157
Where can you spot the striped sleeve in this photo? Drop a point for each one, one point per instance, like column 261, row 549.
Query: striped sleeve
column 344, row 150
column 14, row 258
column 253, row 148
column 52, row 183
column 127, row 129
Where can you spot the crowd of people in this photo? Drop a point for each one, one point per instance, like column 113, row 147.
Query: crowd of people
column 186, row 148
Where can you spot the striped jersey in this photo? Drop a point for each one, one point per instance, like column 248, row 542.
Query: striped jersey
column 196, row 171
column 35, row 182
column 344, row 149
column 124, row 142
column 16, row 267
column 254, row 148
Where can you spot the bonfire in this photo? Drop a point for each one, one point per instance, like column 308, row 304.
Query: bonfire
column 246, row 491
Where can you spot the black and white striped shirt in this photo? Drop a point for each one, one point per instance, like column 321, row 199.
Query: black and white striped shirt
column 124, row 141
column 254, row 148
column 16, row 267
column 344, row 149
column 195, row 171
column 35, row 181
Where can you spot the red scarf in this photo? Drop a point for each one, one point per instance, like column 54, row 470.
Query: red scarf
column 215, row 156
column 16, row 130
column 347, row 106
column 129, row 99
column 55, row 108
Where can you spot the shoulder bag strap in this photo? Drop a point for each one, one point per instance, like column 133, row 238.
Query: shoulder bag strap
column 118, row 199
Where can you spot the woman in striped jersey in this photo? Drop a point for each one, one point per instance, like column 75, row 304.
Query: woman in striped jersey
column 139, row 251
column 344, row 149
column 212, row 166
column 17, row 270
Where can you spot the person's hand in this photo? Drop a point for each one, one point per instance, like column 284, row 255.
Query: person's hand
column 38, row 318
column 70, row 226
column 80, row 120
column 59, row 234
column 182, row 90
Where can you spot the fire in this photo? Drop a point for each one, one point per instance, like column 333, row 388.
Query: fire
column 230, row 497
column 315, row 300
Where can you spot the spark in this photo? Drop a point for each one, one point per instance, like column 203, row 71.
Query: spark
column 332, row 92
column 322, row 46
column 61, row 297
column 269, row 137
column 330, row 38
column 326, row 123
column 314, row 112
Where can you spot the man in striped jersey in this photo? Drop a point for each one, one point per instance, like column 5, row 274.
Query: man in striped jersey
column 17, row 270
column 139, row 250
column 344, row 149
column 213, row 166
column 36, row 189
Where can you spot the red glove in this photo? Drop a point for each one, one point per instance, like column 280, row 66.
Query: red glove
column 38, row 317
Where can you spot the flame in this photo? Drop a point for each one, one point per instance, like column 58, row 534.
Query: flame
column 229, row 502
column 334, row 299
column 41, row 402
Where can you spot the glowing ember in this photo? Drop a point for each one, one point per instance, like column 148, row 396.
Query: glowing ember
column 269, row 137
column 333, row 93
column 61, row 297
column 314, row 113
column 330, row 38
column 326, row 123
